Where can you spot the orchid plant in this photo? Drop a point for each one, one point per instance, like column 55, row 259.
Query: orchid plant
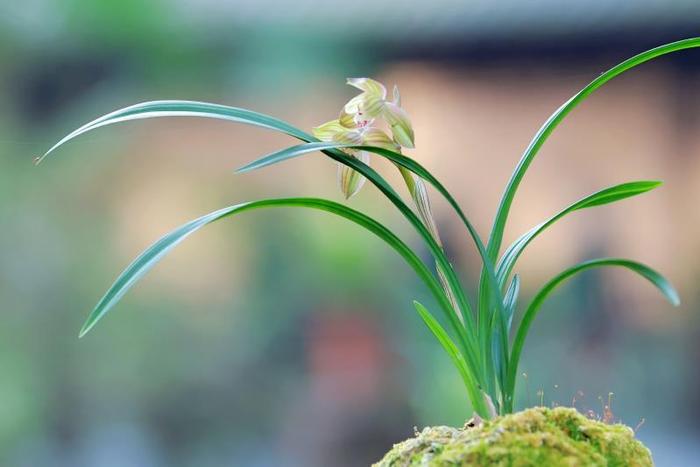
column 476, row 332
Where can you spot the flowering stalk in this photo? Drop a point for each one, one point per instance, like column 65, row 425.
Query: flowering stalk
column 355, row 125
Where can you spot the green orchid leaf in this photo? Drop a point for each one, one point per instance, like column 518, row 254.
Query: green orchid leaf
column 417, row 169
column 600, row 198
column 499, row 223
column 510, row 301
column 159, row 109
column 151, row 256
column 180, row 108
column 556, row 118
column 455, row 355
column 661, row 283
column 500, row 332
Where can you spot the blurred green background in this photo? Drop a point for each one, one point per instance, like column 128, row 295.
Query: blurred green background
column 288, row 338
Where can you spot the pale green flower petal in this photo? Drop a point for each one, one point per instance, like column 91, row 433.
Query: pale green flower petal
column 368, row 105
column 347, row 120
column 349, row 180
column 348, row 136
column 376, row 137
column 365, row 107
column 327, row 131
column 368, row 85
column 422, row 202
column 397, row 96
column 401, row 128
column 335, row 131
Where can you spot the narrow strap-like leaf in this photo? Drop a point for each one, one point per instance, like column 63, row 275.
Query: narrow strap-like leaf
column 556, row 118
column 602, row 197
column 416, row 168
column 499, row 222
column 146, row 260
column 152, row 255
column 156, row 109
column 510, row 301
column 500, row 325
column 181, row 108
column 501, row 332
column 455, row 355
column 533, row 308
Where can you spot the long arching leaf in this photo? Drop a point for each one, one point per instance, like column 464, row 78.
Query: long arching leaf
column 181, row 108
column 499, row 223
column 146, row 260
column 556, row 118
column 152, row 255
column 156, row 109
column 416, row 168
column 602, row 197
column 533, row 308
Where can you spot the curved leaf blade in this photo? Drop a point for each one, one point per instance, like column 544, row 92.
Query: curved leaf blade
column 599, row 198
column 157, row 109
column 412, row 166
column 152, row 255
column 457, row 359
column 511, row 300
column 499, row 223
column 182, row 108
column 556, row 118
column 656, row 279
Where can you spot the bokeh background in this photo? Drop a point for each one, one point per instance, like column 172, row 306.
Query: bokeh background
column 288, row 338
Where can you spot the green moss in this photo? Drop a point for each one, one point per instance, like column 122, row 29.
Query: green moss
column 535, row 437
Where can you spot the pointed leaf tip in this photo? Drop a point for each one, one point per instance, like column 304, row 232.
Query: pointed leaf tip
column 243, row 169
column 673, row 297
column 84, row 330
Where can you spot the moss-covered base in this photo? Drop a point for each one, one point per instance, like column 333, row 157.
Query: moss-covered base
column 535, row 437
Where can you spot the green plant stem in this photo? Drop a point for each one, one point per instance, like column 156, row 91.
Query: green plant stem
column 421, row 201
column 465, row 337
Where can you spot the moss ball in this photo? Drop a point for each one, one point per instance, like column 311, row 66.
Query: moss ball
column 535, row 437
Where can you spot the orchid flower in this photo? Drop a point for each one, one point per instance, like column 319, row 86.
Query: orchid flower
column 355, row 125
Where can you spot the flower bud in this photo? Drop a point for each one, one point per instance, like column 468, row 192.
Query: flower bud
column 401, row 128
column 349, row 180
column 397, row 96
